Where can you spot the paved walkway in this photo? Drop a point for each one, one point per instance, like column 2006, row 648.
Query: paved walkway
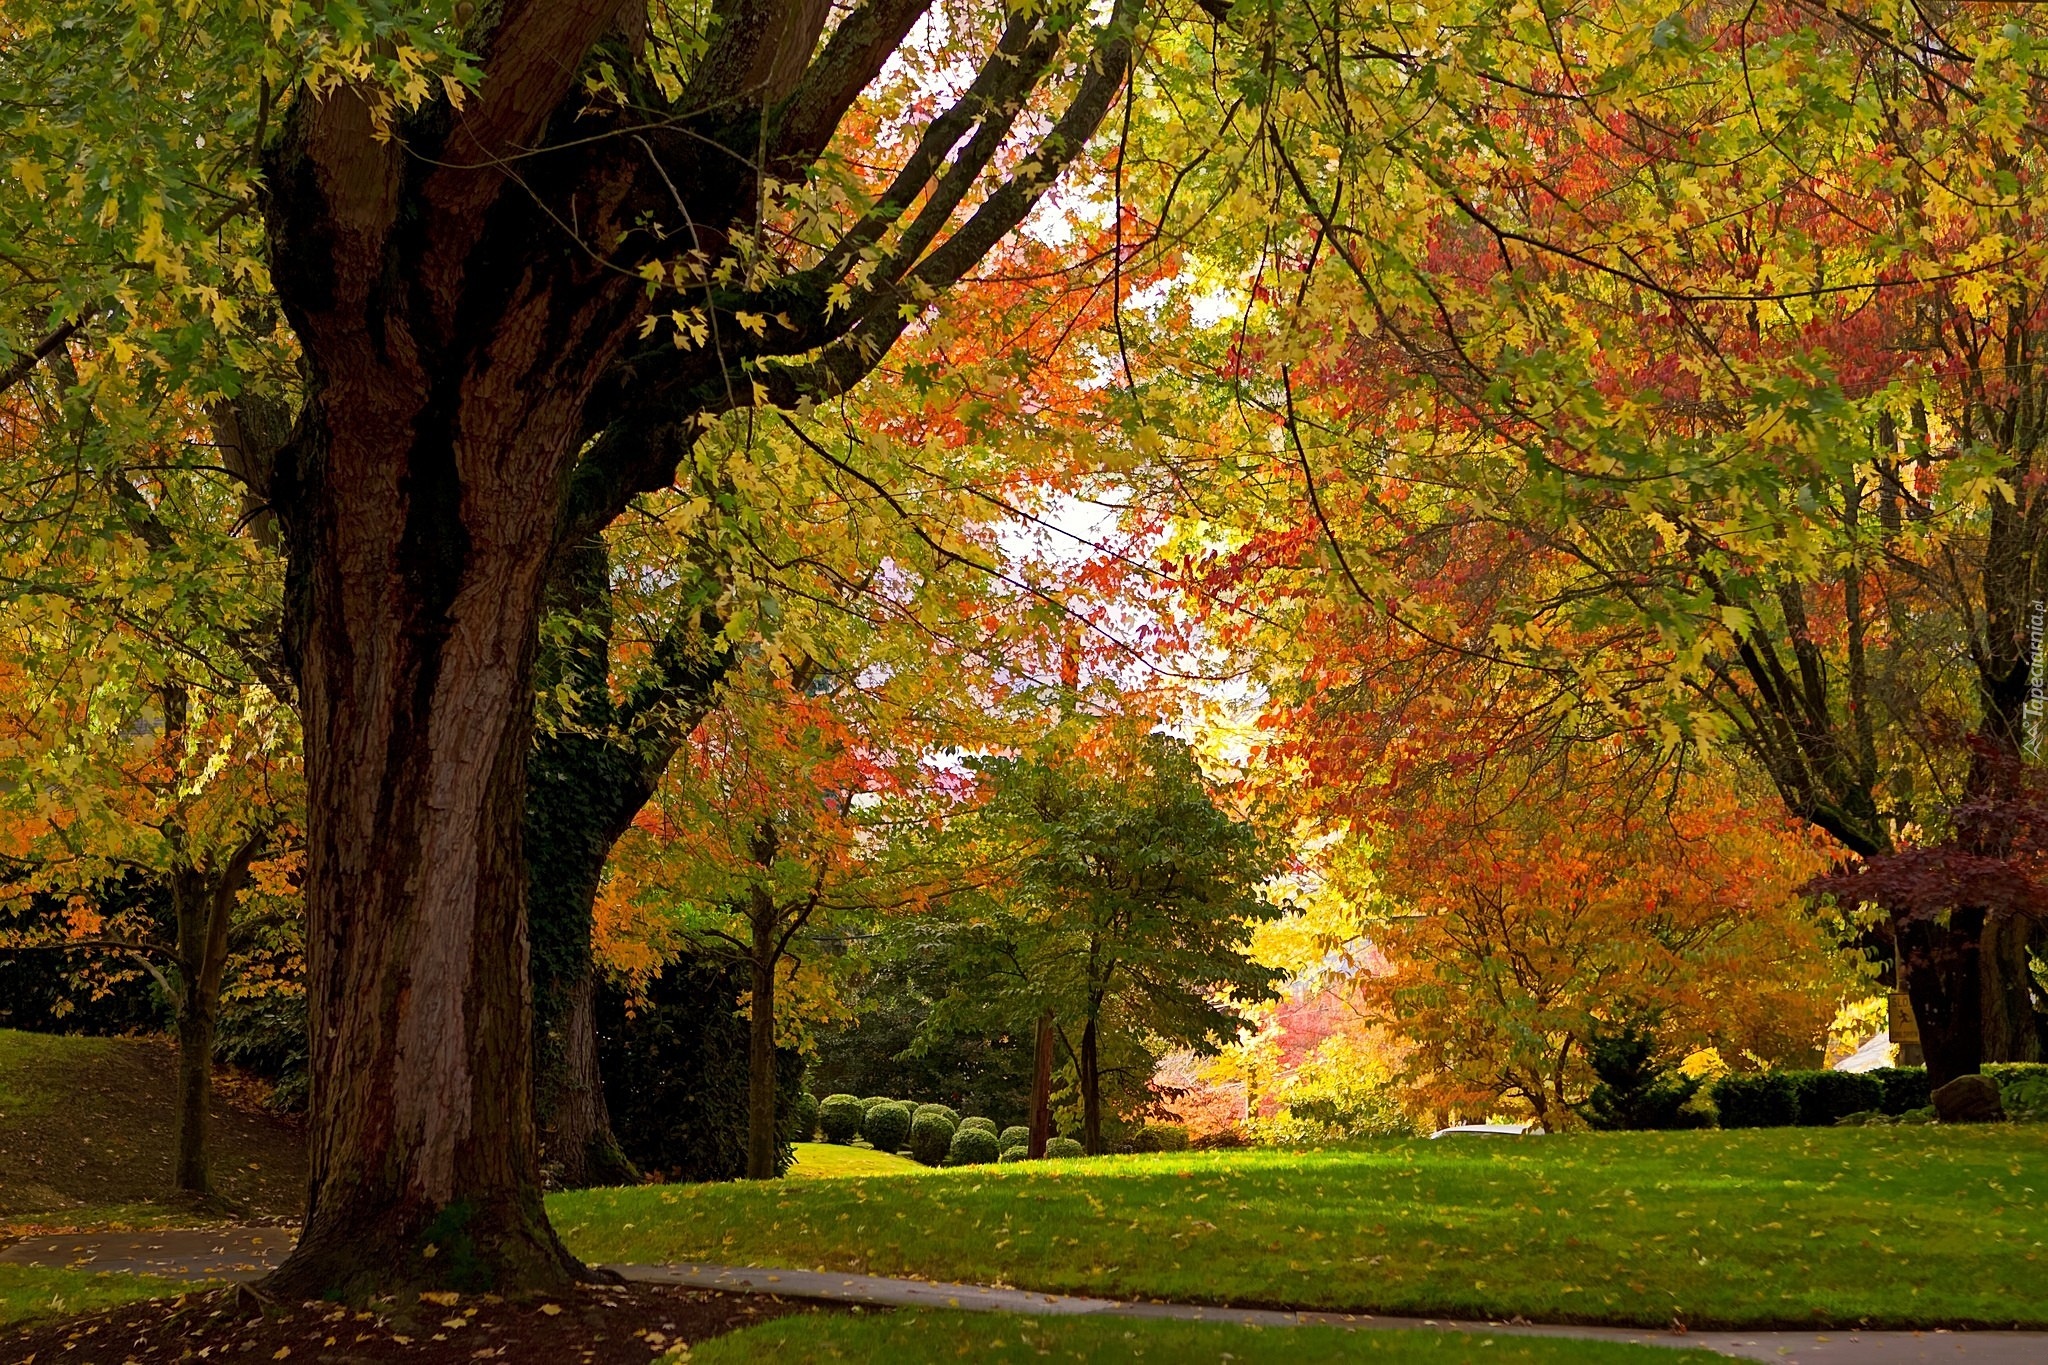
column 246, row 1253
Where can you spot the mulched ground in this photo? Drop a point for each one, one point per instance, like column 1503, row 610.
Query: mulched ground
column 591, row 1325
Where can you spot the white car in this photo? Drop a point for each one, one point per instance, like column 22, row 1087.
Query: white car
column 1495, row 1129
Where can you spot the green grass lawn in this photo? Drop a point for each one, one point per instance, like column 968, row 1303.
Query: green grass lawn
column 886, row 1339
column 1914, row 1226
column 826, row 1160
column 28, row 1291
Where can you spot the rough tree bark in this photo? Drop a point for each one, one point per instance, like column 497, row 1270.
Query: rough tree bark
column 203, row 901
column 465, row 286
column 1041, row 1088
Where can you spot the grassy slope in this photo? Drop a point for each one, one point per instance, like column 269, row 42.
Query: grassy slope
column 825, row 1161
column 890, row 1338
column 89, row 1121
column 1893, row 1226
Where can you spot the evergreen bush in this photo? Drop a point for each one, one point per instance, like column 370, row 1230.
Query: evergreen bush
column 931, row 1137
column 803, row 1118
column 1905, row 1087
column 1769, row 1099
column 1016, row 1135
column 887, row 1126
column 870, row 1102
column 972, row 1147
column 1020, row 1152
column 1059, row 1148
column 986, row 1125
column 950, row 1114
column 839, row 1117
column 1636, row 1091
column 1825, row 1096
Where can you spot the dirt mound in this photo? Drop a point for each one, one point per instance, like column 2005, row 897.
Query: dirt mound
column 90, row 1121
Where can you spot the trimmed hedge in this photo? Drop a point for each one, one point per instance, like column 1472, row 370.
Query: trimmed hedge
column 839, row 1117
column 972, row 1147
column 1158, row 1137
column 1016, row 1135
column 931, row 1138
column 1020, row 1152
column 950, row 1114
column 887, row 1126
column 1785, row 1099
column 870, row 1102
column 986, row 1125
column 1060, row 1148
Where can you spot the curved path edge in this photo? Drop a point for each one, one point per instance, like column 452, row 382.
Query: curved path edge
column 1790, row 1348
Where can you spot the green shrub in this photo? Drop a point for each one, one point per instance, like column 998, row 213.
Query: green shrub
column 1637, row 1091
column 972, row 1147
column 1825, row 1096
column 839, row 1117
column 870, row 1102
column 887, row 1126
column 950, row 1114
column 931, row 1137
column 1864, row 1118
column 2025, row 1097
column 1905, row 1087
column 1173, row 1137
column 1768, row 1099
column 803, row 1119
column 1020, row 1152
column 2005, row 1073
column 986, row 1125
column 1016, row 1135
column 1060, row 1148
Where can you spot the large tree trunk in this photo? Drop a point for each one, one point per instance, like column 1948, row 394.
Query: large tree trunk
column 594, row 766
column 1938, row 967
column 460, row 279
column 1091, row 1092
column 1041, row 1088
column 2011, row 1028
column 761, row 1130
column 581, row 1139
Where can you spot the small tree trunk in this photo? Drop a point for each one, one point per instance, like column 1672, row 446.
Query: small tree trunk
column 1091, row 1092
column 761, row 1133
column 196, row 1023
column 1041, row 1088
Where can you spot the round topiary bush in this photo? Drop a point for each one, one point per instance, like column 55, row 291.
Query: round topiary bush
column 972, row 1147
column 986, row 1125
column 1058, row 1148
column 887, row 1126
column 839, row 1117
column 931, row 1137
column 1016, row 1135
column 1018, row 1153
column 803, row 1117
column 945, row 1111
column 871, row 1101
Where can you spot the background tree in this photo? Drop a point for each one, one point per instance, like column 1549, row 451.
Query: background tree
column 1511, row 933
column 1131, row 899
